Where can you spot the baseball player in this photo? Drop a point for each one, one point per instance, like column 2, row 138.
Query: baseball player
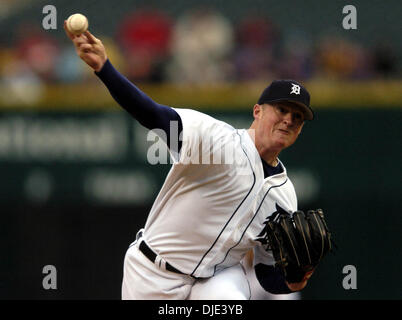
column 223, row 188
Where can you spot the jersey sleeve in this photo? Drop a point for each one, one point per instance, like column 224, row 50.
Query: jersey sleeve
column 200, row 136
column 263, row 256
column 269, row 277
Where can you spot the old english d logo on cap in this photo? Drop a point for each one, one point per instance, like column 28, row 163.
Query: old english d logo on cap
column 295, row 89
column 288, row 90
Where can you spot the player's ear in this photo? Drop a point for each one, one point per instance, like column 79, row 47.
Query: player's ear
column 257, row 111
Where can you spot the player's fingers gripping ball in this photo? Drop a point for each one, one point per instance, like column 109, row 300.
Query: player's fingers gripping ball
column 77, row 24
column 298, row 242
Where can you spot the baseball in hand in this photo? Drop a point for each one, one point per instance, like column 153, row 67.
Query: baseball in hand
column 77, row 23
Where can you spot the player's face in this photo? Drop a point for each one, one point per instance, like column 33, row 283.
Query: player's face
column 277, row 126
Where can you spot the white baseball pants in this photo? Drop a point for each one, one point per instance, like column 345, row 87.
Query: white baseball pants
column 145, row 280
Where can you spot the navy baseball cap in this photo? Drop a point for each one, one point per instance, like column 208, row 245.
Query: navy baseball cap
column 288, row 90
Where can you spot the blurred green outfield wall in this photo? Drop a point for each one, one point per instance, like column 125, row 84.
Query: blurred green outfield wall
column 76, row 187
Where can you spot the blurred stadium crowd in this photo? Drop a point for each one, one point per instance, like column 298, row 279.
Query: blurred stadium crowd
column 200, row 46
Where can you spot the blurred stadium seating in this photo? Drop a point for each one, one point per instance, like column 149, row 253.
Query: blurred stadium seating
column 76, row 184
column 191, row 45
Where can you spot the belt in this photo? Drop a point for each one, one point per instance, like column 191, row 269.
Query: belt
column 147, row 251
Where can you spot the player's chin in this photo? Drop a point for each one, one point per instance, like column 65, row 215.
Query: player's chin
column 286, row 140
column 283, row 143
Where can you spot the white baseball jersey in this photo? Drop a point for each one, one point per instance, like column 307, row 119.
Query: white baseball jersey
column 213, row 204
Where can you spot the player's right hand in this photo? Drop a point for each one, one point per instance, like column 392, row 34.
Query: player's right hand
column 88, row 48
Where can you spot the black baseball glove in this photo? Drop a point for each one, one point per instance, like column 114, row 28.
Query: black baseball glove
column 298, row 242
